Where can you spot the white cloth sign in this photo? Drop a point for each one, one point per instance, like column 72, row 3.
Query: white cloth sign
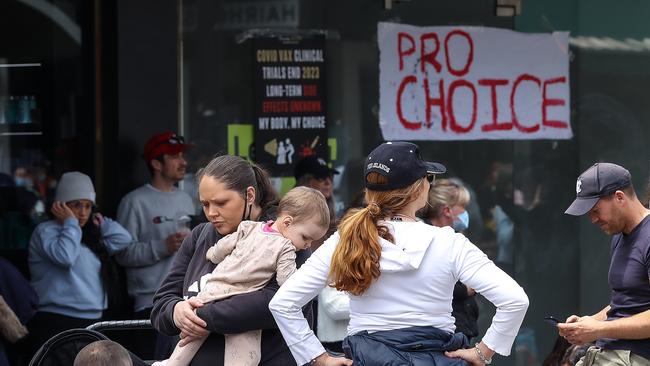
column 470, row 83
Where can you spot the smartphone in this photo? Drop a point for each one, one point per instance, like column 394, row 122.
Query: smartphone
column 551, row 320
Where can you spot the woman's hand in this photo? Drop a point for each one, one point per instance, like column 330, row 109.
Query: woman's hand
column 471, row 354
column 468, row 355
column 61, row 211
column 326, row 360
column 98, row 219
column 192, row 327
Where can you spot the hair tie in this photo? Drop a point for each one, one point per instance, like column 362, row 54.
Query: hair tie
column 373, row 204
column 373, row 208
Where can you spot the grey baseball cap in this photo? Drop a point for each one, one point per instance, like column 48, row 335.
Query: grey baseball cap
column 600, row 180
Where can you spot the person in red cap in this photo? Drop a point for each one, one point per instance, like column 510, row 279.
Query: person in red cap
column 156, row 214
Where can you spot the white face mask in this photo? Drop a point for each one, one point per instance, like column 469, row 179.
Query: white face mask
column 461, row 222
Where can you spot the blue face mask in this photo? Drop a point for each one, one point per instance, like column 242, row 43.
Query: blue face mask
column 23, row 182
column 461, row 223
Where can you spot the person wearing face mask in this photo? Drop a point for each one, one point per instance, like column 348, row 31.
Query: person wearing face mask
column 23, row 178
column 400, row 274
column 447, row 207
column 461, row 222
column 24, row 181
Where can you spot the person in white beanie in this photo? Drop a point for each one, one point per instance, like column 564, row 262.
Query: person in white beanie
column 68, row 259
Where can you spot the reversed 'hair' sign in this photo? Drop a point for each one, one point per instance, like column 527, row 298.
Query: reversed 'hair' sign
column 472, row 83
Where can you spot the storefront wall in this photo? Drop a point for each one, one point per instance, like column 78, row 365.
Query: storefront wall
column 189, row 66
column 561, row 261
column 46, row 110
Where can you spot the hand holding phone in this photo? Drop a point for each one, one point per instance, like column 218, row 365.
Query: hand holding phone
column 551, row 320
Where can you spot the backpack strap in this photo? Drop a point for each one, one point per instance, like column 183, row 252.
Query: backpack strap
column 204, row 232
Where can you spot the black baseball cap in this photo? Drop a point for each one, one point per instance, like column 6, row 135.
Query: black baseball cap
column 314, row 166
column 600, row 180
column 401, row 163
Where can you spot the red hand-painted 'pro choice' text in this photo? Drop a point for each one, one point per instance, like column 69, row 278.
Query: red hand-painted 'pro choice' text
column 434, row 54
column 472, row 83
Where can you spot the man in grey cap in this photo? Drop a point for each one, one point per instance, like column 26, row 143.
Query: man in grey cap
column 622, row 329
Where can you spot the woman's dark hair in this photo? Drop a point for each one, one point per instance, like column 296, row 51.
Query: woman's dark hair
column 574, row 353
column 109, row 272
column 557, row 353
column 237, row 174
column 91, row 237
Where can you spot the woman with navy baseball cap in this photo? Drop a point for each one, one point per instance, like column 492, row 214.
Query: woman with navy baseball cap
column 400, row 274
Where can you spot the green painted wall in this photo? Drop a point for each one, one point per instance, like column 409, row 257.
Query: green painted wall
column 597, row 18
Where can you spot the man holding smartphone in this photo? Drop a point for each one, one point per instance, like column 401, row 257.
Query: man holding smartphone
column 622, row 329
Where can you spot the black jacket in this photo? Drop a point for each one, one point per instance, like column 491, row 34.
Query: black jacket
column 236, row 314
column 465, row 311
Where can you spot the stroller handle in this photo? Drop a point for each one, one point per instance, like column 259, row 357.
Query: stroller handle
column 120, row 325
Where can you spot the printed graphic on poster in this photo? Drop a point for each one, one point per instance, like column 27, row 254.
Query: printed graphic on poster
column 471, row 83
column 289, row 101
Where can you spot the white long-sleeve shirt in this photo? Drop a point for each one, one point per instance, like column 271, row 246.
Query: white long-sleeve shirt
column 415, row 288
column 333, row 315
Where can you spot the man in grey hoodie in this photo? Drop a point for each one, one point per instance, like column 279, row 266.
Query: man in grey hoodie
column 155, row 214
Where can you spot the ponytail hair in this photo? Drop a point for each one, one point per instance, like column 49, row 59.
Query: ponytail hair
column 265, row 194
column 355, row 262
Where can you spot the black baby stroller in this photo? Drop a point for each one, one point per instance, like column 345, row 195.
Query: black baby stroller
column 61, row 349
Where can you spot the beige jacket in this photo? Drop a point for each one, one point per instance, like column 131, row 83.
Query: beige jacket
column 247, row 260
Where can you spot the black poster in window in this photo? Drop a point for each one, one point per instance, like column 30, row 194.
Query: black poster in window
column 290, row 108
